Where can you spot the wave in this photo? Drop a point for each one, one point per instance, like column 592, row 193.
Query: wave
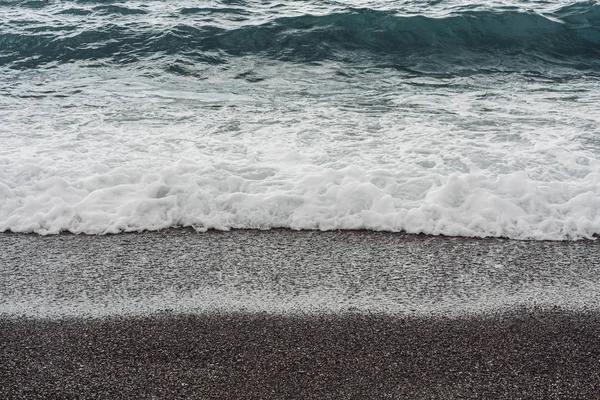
column 187, row 195
column 569, row 36
column 576, row 34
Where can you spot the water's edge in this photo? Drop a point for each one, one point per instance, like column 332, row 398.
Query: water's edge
column 291, row 272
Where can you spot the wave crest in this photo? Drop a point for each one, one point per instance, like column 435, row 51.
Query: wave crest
column 570, row 35
column 511, row 205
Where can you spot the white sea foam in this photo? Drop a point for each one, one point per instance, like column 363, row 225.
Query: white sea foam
column 192, row 194
column 382, row 152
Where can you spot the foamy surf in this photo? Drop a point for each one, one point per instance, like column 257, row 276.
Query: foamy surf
column 190, row 195
column 445, row 119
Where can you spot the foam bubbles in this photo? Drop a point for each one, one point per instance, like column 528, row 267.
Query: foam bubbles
column 510, row 205
column 305, row 148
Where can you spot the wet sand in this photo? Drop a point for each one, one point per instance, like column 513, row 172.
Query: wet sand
column 511, row 355
column 283, row 314
column 283, row 271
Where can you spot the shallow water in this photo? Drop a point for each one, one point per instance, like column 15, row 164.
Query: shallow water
column 441, row 117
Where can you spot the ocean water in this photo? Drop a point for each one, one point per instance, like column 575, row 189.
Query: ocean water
column 440, row 117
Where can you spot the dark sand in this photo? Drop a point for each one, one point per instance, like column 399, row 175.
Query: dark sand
column 518, row 355
column 529, row 348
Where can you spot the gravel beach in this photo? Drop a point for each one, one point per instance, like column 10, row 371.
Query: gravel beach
column 512, row 355
column 283, row 314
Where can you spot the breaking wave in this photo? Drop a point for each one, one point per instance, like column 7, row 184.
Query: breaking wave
column 568, row 36
column 355, row 114
column 188, row 195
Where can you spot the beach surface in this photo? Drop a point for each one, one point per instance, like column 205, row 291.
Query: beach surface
column 286, row 314
column 519, row 355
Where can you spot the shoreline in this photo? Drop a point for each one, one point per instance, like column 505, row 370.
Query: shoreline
column 283, row 271
column 129, row 316
column 190, row 229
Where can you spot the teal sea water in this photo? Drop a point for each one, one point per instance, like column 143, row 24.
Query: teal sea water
column 441, row 117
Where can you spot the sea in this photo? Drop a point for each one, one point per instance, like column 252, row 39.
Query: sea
column 443, row 117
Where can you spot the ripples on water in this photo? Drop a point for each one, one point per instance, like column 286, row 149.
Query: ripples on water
column 437, row 117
